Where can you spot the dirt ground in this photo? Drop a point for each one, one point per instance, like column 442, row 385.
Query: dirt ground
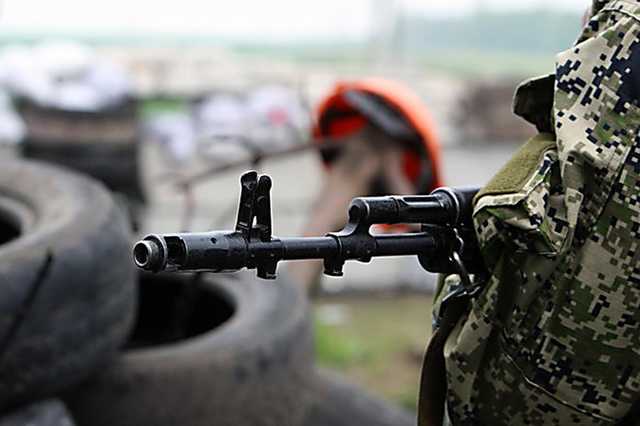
column 376, row 342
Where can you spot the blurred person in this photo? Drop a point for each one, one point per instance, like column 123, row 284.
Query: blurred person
column 550, row 335
column 385, row 144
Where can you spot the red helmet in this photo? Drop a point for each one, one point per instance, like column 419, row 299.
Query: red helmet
column 393, row 108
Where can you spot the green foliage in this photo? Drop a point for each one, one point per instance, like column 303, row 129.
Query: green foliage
column 486, row 43
column 337, row 350
column 377, row 343
column 408, row 399
column 528, row 32
column 155, row 106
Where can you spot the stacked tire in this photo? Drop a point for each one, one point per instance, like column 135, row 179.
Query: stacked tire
column 85, row 340
column 207, row 350
column 103, row 144
column 67, row 296
column 44, row 413
column 224, row 350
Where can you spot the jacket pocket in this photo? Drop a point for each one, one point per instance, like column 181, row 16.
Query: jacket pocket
column 523, row 206
column 513, row 396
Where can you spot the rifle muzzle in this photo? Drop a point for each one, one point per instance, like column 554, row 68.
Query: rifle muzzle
column 213, row 251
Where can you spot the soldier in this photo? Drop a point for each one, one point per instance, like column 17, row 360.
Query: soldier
column 553, row 334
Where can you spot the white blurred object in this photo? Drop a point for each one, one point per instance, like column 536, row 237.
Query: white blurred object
column 63, row 75
column 12, row 129
column 222, row 116
column 175, row 132
column 73, row 96
column 20, row 75
column 221, row 127
column 278, row 116
column 266, row 118
column 62, row 59
column 109, row 79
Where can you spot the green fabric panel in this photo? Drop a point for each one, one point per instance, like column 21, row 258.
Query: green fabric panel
column 513, row 175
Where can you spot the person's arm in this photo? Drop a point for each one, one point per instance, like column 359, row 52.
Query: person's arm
column 349, row 177
column 361, row 161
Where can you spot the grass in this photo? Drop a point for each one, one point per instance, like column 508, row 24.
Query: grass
column 155, row 106
column 377, row 343
column 338, row 350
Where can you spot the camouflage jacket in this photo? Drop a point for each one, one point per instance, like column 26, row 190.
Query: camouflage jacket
column 554, row 336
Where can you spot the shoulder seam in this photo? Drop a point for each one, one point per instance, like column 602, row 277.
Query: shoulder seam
column 625, row 12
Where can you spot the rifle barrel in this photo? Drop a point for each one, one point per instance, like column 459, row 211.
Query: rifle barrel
column 228, row 251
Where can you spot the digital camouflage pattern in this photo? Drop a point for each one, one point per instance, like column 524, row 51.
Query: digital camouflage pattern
column 554, row 337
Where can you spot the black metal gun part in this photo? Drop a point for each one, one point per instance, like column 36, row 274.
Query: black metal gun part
column 446, row 236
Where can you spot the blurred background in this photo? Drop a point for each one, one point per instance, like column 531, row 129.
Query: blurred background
column 141, row 94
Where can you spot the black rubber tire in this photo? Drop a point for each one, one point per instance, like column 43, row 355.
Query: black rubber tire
column 117, row 166
column 104, row 144
column 67, row 292
column 254, row 369
column 45, row 413
column 339, row 403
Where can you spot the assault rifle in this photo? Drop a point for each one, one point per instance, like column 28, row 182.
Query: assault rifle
column 445, row 242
